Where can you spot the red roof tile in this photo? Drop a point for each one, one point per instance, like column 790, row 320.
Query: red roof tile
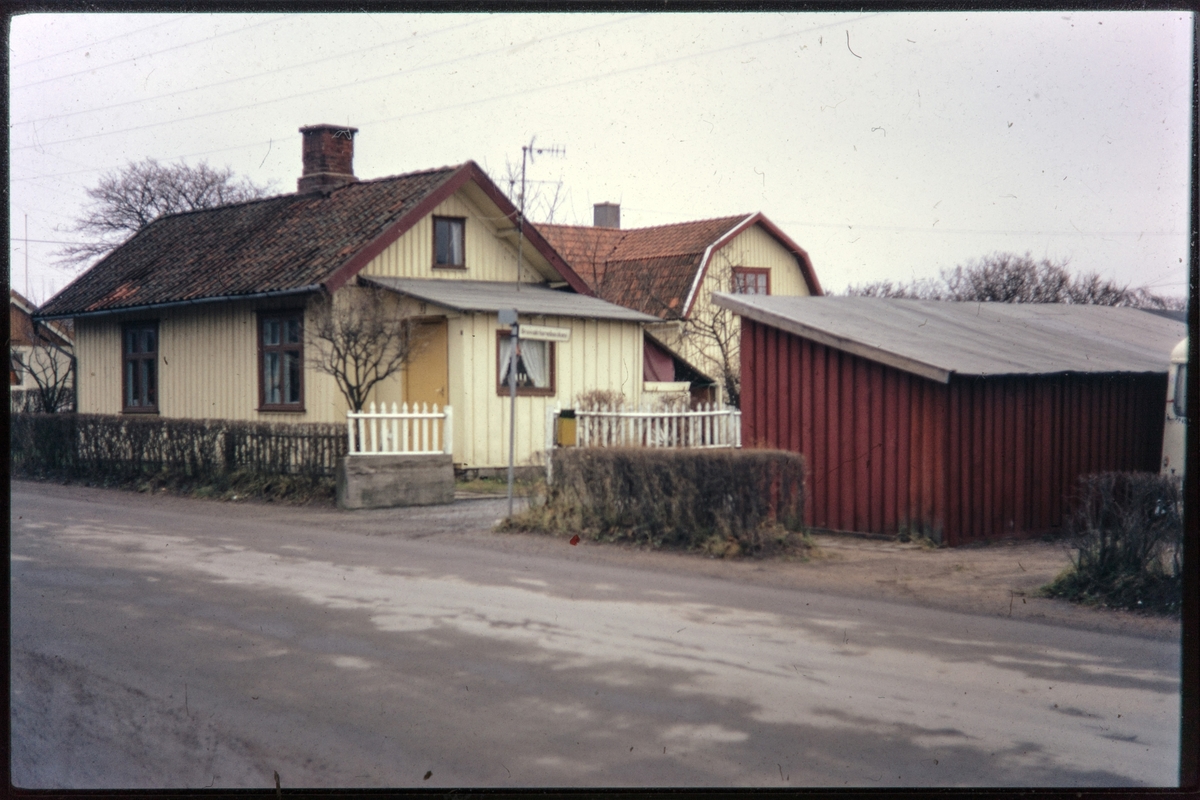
column 648, row 269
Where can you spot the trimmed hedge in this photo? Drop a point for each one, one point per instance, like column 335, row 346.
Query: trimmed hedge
column 122, row 448
column 1128, row 528
column 722, row 501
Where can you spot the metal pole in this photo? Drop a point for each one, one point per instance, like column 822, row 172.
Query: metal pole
column 512, row 409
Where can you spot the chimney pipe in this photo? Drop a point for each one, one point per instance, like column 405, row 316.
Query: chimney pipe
column 328, row 152
column 606, row 215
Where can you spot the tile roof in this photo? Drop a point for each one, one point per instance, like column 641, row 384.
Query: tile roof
column 270, row 245
column 279, row 244
column 648, row 269
column 938, row 339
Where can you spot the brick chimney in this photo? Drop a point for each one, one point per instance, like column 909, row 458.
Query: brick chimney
column 606, row 215
column 328, row 158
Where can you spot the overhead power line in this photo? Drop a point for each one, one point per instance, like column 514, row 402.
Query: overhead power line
column 147, row 55
column 354, row 83
column 177, row 18
column 177, row 93
column 465, row 104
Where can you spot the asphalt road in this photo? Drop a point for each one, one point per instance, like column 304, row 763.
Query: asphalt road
column 166, row 642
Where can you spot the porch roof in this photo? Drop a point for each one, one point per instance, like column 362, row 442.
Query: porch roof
column 490, row 296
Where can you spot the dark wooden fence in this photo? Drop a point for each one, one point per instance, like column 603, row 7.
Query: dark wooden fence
column 96, row 445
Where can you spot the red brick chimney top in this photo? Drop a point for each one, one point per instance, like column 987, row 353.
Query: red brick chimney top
column 328, row 153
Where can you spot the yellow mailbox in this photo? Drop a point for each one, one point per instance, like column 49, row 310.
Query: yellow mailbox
column 564, row 432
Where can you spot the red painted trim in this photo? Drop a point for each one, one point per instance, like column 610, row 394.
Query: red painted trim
column 359, row 260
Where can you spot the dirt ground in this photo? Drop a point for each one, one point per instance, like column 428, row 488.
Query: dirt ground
column 1000, row 579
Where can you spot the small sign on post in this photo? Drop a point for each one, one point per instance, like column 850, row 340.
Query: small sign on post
column 545, row 333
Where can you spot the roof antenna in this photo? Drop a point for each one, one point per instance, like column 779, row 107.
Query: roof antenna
column 528, row 152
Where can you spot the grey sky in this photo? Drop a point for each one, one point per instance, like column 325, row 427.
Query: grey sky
column 887, row 145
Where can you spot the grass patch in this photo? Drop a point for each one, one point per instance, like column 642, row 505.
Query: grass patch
column 498, row 487
column 1128, row 531
column 236, row 486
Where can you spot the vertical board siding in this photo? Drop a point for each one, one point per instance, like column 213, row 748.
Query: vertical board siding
column 207, row 367
column 754, row 247
column 975, row 459
column 601, row 354
column 487, row 257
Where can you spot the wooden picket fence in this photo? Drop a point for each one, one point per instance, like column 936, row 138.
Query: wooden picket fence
column 401, row 431
column 707, row 426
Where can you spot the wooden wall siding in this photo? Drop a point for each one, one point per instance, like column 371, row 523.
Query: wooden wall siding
column 1017, row 474
column 975, row 459
column 487, row 257
column 754, row 247
column 207, row 367
column 600, row 355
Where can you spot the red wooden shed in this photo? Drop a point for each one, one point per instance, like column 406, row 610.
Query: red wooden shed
column 964, row 421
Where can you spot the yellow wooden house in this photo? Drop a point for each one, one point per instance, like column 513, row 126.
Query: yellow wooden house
column 671, row 272
column 203, row 315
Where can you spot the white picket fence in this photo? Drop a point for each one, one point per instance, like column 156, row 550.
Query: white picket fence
column 401, row 431
column 708, row 426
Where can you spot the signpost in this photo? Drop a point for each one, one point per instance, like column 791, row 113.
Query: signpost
column 508, row 316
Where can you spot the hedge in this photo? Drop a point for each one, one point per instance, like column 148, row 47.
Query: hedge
column 689, row 499
column 115, row 448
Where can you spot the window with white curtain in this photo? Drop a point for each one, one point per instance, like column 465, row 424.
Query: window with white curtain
column 448, row 242
column 535, row 365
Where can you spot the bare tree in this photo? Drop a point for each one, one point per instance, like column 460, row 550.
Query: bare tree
column 129, row 199
column 51, row 364
column 359, row 337
column 1011, row 278
column 542, row 199
column 715, row 335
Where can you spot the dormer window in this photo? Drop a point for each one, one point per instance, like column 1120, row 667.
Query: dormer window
column 448, row 242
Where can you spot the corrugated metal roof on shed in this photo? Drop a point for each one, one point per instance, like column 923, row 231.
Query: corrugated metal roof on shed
column 491, row 297
column 937, row 339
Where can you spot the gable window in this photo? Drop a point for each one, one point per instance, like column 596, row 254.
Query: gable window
column 139, row 345
column 281, row 361
column 448, row 242
column 535, row 366
column 751, row 280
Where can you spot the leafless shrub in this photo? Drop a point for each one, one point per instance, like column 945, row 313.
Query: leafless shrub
column 359, row 338
column 599, row 400
column 1128, row 529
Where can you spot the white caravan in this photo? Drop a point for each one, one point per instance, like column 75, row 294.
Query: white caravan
column 1174, row 455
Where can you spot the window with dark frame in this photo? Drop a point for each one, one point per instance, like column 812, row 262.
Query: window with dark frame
column 535, row 366
column 448, row 242
column 281, row 361
column 751, row 280
column 139, row 345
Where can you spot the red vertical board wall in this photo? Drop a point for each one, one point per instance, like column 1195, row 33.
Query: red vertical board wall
column 978, row 458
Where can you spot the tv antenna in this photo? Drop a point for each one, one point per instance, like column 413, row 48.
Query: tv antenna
column 528, row 153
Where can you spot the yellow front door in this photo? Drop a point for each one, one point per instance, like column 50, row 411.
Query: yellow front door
column 427, row 377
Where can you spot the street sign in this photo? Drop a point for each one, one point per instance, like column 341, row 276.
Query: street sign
column 508, row 316
column 545, row 333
